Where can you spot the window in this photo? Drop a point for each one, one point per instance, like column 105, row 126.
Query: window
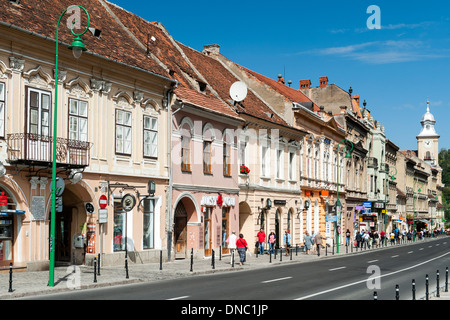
column 123, row 132
column 78, row 112
column 242, row 149
column 2, row 109
column 292, row 165
column 185, row 153
column 207, row 157
column 119, row 232
column 38, row 112
column 279, row 163
column 148, row 223
column 150, row 137
column 226, row 159
column 264, row 171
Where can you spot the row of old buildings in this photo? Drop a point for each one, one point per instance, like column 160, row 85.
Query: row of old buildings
column 144, row 118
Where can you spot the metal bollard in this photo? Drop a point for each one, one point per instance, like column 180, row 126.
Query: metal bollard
column 10, row 277
column 213, row 260
column 426, row 288
column 446, row 279
column 232, row 258
column 95, row 269
column 413, row 289
column 290, row 251
column 160, row 260
column 126, row 267
column 375, row 295
column 437, row 284
column 397, row 292
column 281, row 254
column 98, row 267
column 192, row 259
column 270, row 256
column 220, row 254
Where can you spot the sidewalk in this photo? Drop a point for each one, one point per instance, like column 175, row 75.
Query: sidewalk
column 82, row 277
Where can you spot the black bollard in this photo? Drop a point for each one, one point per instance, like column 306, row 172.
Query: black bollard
column 437, row 284
column 375, row 295
column 95, row 269
column 232, row 259
column 213, row 260
column 220, row 253
column 192, row 259
column 160, row 260
column 98, row 267
column 413, row 289
column 397, row 292
column 10, row 277
column 296, row 250
column 426, row 287
column 281, row 254
column 270, row 256
column 126, row 267
column 290, row 252
column 446, row 279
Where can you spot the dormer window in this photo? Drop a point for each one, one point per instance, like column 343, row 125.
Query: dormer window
column 202, row 86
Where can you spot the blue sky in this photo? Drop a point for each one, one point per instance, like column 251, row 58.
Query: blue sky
column 396, row 69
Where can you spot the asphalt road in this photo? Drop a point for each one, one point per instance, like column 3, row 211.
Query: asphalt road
column 349, row 277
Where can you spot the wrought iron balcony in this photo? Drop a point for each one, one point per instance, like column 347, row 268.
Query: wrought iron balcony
column 372, row 162
column 35, row 149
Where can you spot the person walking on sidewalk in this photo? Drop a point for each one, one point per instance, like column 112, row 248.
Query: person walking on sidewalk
column 261, row 240
column 318, row 241
column 271, row 241
column 308, row 241
column 287, row 241
column 241, row 245
column 231, row 241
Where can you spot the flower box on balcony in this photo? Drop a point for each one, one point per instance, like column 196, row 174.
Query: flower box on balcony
column 244, row 170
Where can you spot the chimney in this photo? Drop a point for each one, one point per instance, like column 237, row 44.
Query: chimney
column 211, row 49
column 356, row 98
column 323, row 82
column 280, row 79
column 305, row 84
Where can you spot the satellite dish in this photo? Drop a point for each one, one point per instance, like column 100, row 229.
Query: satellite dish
column 238, row 91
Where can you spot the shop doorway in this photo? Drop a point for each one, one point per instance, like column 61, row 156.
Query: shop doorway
column 180, row 230
column 63, row 235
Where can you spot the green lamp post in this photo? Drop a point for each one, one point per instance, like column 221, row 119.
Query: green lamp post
column 414, row 208
column 338, row 204
column 77, row 47
column 391, row 172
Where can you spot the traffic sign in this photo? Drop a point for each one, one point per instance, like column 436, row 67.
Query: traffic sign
column 103, row 201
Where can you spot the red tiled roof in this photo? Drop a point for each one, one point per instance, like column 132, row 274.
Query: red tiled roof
column 221, row 80
column 116, row 44
column 289, row 93
column 204, row 101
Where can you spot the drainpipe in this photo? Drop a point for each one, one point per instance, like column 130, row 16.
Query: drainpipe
column 170, row 165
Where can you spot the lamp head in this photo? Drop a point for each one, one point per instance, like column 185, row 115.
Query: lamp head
column 77, row 47
column 347, row 154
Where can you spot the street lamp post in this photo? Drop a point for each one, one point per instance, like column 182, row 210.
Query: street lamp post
column 77, row 47
column 414, row 208
column 338, row 204
column 389, row 172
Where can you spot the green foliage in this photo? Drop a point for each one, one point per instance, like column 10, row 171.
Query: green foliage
column 444, row 163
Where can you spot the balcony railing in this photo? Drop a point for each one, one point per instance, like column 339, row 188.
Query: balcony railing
column 35, row 149
column 372, row 162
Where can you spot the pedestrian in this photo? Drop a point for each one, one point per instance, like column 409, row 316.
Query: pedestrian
column 366, row 238
column 382, row 237
column 376, row 238
column 347, row 237
column 308, row 242
column 261, row 240
column 358, row 239
column 271, row 240
column 318, row 241
column 241, row 245
column 231, row 241
column 287, row 241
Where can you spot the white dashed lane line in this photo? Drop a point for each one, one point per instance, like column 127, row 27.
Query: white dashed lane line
column 334, row 269
column 372, row 261
column 279, row 279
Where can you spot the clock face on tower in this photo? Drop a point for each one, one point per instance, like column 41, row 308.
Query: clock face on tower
column 428, row 143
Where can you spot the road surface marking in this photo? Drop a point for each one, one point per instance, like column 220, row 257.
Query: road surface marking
column 178, row 298
column 411, row 252
column 279, row 279
column 365, row 280
column 395, row 256
column 421, row 249
column 337, row 268
column 372, row 261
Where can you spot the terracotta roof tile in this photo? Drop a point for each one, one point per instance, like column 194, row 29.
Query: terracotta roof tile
column 115, row 43
column 221, row 80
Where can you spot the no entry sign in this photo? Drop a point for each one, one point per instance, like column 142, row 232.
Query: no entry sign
column 103, row 201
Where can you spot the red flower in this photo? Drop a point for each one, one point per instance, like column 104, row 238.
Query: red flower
column 245, row 170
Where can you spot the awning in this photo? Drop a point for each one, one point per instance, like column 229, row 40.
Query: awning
column 425, row 221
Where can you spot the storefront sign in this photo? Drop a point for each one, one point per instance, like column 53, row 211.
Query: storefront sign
column 378, row 205
column 367, row 204
column 102, row 215
column 279, row 202
column 212, row 201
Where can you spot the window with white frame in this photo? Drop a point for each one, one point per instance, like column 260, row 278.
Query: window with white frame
column 150, row 137
column 2, row 109
column 149, row 224
column 292, row 165
column 123, row 132
column 264, row 163
column 280, row 163
column 78, row 120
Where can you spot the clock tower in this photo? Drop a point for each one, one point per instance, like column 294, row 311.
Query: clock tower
column 428, row 139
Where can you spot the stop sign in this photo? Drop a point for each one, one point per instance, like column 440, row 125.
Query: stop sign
column 103, row 202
